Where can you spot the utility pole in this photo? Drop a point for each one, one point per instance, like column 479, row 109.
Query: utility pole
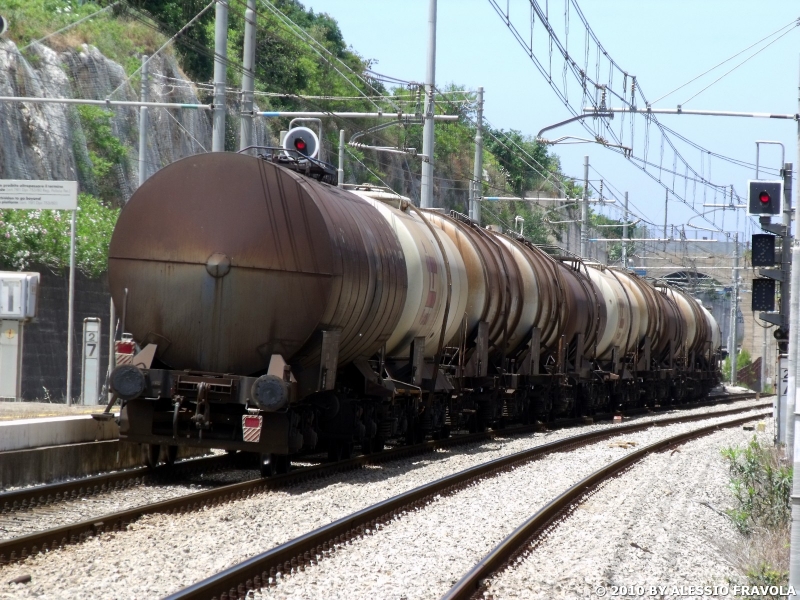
column 426, row 188
column 248, row 77
column 785, row 409
column 476, row 190
column 794, row 450
column 220, row 64
column 340, row 170
column 789, row 306
column 734, row 308
column 143, row 125
column 71, row 307
column 763, row 359
column 585, row 208
column 666, row 203
column 625, row 234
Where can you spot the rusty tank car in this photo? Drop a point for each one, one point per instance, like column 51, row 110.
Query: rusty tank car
column 278, row 314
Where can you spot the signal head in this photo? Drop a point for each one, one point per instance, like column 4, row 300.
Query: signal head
column 765, row 197
column 301, row 142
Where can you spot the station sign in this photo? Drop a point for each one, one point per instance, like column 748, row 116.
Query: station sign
column 33, row 194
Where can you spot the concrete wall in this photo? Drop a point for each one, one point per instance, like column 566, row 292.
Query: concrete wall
column 44, row 356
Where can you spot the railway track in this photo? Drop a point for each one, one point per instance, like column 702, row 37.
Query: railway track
column 18, row 548
column 515, row 545
column 52, row 493
column 265, row 569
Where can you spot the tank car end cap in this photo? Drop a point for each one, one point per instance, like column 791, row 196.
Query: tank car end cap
column 127, row 382
column 271, row 393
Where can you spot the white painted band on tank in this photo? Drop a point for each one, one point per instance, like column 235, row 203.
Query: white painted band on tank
column 716, row 334
column 477, row 293
column 688, row 316
column 638, row 305
column 530, row 294
column 620, row 316
column 427, row 293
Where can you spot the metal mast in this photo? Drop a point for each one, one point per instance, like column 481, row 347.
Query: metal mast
column 248, row 77
column 220, row 64
column 426, row 191
column 585, row 208
column 794, row 450
column 625, row 234
column 476, row 190
column 143, row 125
column 734, row 308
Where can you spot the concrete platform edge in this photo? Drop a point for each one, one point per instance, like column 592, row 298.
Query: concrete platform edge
column 57, row 463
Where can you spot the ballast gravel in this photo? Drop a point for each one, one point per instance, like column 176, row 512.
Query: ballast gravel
column 422, row 554
column 24, row 522
column 161, row 554
column 657, row 526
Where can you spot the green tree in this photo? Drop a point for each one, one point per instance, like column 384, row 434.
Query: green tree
column 523, row 161
column 105, row 153
column 42, row 237
column 742, row 360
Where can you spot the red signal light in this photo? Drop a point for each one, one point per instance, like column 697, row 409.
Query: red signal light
column 764, row 197
column 301, row 145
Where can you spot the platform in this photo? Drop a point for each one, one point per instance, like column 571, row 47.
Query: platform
column 43, row 442
column 22, row 434
column 31, row 410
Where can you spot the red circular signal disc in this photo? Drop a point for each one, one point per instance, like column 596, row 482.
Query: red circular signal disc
column 764, row 198
column 301, row 145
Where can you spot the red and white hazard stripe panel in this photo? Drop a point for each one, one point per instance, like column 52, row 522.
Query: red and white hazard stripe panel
column 251, row 428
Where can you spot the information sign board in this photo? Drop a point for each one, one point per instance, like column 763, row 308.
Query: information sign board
column 33, row 194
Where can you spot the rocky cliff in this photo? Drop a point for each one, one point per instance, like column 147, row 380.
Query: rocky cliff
column 48, row 140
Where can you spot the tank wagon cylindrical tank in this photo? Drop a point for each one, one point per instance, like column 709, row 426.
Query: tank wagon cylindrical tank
column 276, row 314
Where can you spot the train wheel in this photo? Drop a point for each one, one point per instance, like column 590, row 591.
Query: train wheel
column 340, row 451
column 376, row 444
column 334, row 451
column 268, row 464
column 442, row 433
column 347, row 450
column 283, row 463
column 476, row 424
column 151, row 453
column 171, row 454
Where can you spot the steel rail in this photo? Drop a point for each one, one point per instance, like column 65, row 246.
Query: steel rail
column 19, row 548
column 519, row 541
column 262, row 570
column 52, row 493
column 62, row 491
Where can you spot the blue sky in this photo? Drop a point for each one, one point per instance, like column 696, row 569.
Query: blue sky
column 663, row 43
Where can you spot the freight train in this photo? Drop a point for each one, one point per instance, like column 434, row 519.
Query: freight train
column 279, row 314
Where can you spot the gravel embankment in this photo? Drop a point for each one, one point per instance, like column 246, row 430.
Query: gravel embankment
column 657, row 525
column 161, row 554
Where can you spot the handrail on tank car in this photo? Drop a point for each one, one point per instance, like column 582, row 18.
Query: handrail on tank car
column 300, row 156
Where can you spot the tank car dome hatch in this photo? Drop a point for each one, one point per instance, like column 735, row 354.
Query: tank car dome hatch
column 208, row 238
